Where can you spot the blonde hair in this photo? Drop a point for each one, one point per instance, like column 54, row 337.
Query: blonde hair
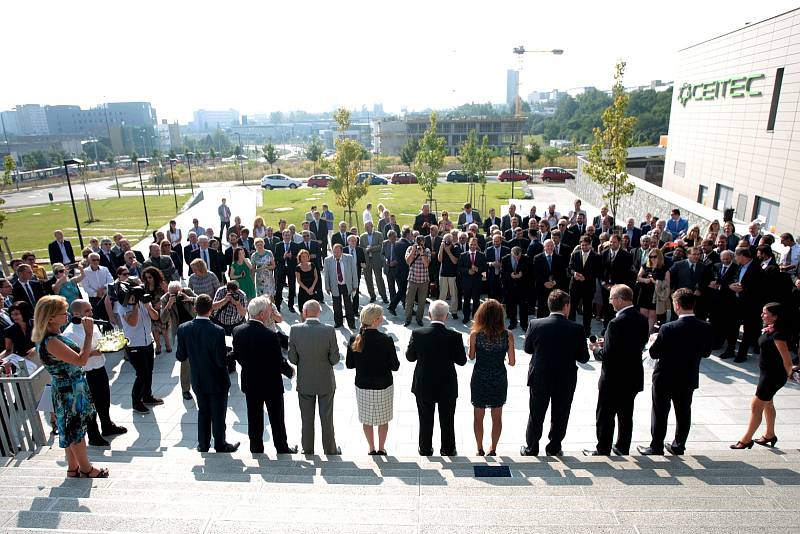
column 258, row 222
column 369, row 314
column 302, row 253
column 199, row 266
column 659, row 263
column 46, row 308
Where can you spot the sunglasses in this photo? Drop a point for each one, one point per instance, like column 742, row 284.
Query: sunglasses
column 653, row 257
column 59, row 271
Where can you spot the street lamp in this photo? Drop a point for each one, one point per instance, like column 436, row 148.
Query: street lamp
column 189, row 162
column 172, row 173
column 520, row 51
column 511, row 166
column 67, row 163
column 240, row 157
column 141, row 185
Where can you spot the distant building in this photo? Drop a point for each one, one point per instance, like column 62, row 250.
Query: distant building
column 645, row 162
column 31, row 120
column 512, row 85
column 560, row 143
column 208, row 120
column 175, row 140
column 9, row 122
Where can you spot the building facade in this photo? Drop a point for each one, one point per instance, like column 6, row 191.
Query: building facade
column 512, row 86
column 734, row 132
column 207, row 120
column 31, row 120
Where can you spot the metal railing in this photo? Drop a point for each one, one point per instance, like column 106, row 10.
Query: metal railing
column 21, row 422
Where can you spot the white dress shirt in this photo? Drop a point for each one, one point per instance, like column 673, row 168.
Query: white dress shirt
column 93, row 281
column 76, row 333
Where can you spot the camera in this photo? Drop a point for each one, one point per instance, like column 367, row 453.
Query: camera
column 128, row 294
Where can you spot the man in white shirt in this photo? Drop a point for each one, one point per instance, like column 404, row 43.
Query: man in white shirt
column 366, row 215
column 95, row 279
column 791, row 257
column 96, row 376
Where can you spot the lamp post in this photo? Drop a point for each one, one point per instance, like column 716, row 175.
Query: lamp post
column 189, row 162
column 67, row 163
column 511, row 166
column 141, row 185
column 240, row 156
column 172, row 173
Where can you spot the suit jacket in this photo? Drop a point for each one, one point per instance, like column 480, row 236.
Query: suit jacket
column 591, row 271
column 751, row 298
column 490, row 257
column 349, row 274
column 619, row 271
column 462, row 219
column 624, row 341
column 55, row 253
column 678, row 348
column 464, row 264
column 336, row 239
column 711, row 259
column 400, row 248
column 203, row 343
column 217, row 262
column 505, row 222
column 313, row 349
column 724, row 297
column 18, row 292
column 109, row 263
column 258, row 350
column 488, row 222
column 187, row 254
column 420, row 220
column 534, row 248
column 597, row 221
column 314, row 249
column 387, row 250
column 372, row 253
column 680, row 275
column 542, row 272
column 359, row 257
column 437, row 350
column 635, row 237
column 556, row 343
column 320, row 230
column 516, row 286
column 282, row 266
column 638, row 260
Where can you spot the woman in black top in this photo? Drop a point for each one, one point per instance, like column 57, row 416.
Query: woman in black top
column 775, row 367
column 373, row 355
column 18, row 335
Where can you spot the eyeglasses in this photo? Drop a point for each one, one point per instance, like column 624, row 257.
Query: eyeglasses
column 59, row 271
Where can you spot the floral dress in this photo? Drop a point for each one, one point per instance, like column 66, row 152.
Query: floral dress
column 265, row 279
column 72, row 400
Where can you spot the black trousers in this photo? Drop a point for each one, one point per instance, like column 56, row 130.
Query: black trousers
column 284, row 278
column 495, row 282
column 447, row 411
column 211, row 408
column 142, row 360
column 583, row 296
column 471, row 293
column 402, row 288
column 255, row 420
column 515, row 301
column 681, row 400
column 611, row 403
column 540, row 399
column 541, row 302
column 97, row 380
column 343, row 297
column 608, row 309
column 222, row 226
column 751, row 330
column 391, row 282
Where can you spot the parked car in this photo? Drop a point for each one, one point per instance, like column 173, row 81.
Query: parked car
column 460, row 176
column 513, row 175
column 556, row 174
column 404, row 178
column 319, row 180
column 276, row 181
column 373, row 178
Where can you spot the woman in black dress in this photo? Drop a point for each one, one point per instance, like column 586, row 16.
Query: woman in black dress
column 775, row 367
column 307, row 278
column 653, row 281
column 18, row 335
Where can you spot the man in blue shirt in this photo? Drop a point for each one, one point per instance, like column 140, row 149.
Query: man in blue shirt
column 676, row 225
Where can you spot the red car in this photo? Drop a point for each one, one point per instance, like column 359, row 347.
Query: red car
column 404, row 178
column 319, row 180
column 513, row 175
column 556, row 174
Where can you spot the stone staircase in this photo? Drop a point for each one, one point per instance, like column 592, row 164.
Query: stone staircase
column 182, row 491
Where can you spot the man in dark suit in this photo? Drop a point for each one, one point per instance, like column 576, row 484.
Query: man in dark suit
column 579, row 228
column 640, row 254
column 555, row 344
column 188, row 249
column 535, row 246
column 437, row 350
column 676, row 374
column 753, row 236
column 516, row 273
column 584, row 267
column 424, row 220
column 622, row 376
column 313, row 248
column 258, row 350
column 722, row 303
column 214, row 260
column 491, row 220
column 401, row 275
column 285, row 265
column 319, row 227
column 617, row 269
column 691, row 273
column 597, row 222
column 519, row 240
column 505, row 222
column 633, row 233
column 471, row 265
column 559, row 248
column 547, row 273
column 60, row 250
column 27, row 289
column 749, row 290
column 340, row 237
column 203, row 344
column 468, row 217
column 708, row 255
column 494, row 258
column 390, row 263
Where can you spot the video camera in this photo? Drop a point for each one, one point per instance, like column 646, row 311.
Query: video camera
column 133, row 294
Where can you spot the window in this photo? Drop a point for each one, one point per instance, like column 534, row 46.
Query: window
column 723, row 198
column 741, row 205
column 767, row 210
column 702, row 194
column 679, row 169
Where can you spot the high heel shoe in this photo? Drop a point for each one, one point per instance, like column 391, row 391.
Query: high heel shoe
column 481, row 453
column 740, row 445
column 766, row 442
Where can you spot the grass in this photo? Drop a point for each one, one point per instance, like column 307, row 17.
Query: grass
column 32, row 228
column 402, row 200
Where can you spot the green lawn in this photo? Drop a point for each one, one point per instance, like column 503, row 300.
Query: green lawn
column 402, row 200
column 32, row 228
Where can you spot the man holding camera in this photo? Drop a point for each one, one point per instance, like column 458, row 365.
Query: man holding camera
column 136, row 310
column 448, row 259
column 177, row 308
column 229, row 311
column 418, row 258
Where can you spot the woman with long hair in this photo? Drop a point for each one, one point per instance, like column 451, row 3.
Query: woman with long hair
column 775, row 368
column 692, row 237
column 241, row 270
column 307, row 278
column 72, row 401
column 653, row 280
column 174, row 236
column 489, row 343
column 445, row 224
column 373, row 355
column 155, row 285
column 259, row 230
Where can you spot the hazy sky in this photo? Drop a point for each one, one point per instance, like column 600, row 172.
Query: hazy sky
column 260, row 56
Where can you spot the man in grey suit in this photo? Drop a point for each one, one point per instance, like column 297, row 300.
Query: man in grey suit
column 372, row 243
column 312, row 348
column 341, row 281
column 390, row 262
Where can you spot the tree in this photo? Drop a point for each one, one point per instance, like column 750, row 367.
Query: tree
column 409, row 152
column 134, row 156
column 467, row 156
column 8, row 167
column 314, row 152
column 345, row 165
column 608, row 155
column 212, row 153
column 483, row 161
column 532, row 153
column 429, row 158
column 270, row 154
column 550, row 155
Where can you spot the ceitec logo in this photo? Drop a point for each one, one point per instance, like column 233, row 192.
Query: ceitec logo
column 685, row 93
column 736, row 87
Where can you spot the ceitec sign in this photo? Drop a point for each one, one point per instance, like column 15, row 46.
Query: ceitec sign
column 738, row 87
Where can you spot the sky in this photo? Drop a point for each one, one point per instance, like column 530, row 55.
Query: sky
column 259, row 56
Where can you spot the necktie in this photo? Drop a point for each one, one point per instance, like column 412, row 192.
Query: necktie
column 30, row 294
column 513, row 264
column 583, row 256
column 724, row 270
column 344, row 238
column 692, row 269
column 472, row 258
column 391, row 253
column 613, row 255
column 205, row 258
column 549, row 261
column 496, row 258
column 339, row 275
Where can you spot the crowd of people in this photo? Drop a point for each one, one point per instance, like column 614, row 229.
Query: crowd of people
column 656, row 281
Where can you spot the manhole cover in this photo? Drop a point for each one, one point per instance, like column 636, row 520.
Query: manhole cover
column 491, row 471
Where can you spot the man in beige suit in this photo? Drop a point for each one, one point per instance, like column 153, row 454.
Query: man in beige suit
column 313, row 349
column 372, row 243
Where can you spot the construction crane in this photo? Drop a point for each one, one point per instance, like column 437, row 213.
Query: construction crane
column 521, row 51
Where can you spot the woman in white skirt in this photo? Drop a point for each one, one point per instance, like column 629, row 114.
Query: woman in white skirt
column 373, row 355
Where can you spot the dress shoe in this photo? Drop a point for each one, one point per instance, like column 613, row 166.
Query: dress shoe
column 337, row 451
column 257, row 451
column 187, row 395
column 527, row 451
column 419, row 322
column 454, row 452
column 464, row 321
column 372, row 299
column 393, row 311
column 408, row 322
column 99, row 442
column 337, row 325
column 674, row 450
column 455, row 315
column 512, row 326
column 202, row 449
column 288, row 450
column 141, row 408
column 740, row 359
column 726, row 355
column 351, row 326
column 619, row 452
column 385, row 300
column 153, row 401
column 589, row 452
column 649, row 451
column 291, row 309
column 228, row 447
column 425, row 452
column 556, row 453
column 114, row 430
column 524, row 327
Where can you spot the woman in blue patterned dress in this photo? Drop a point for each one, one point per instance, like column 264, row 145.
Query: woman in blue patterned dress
column 264, row 264
column 489, row 342
column 72, row 401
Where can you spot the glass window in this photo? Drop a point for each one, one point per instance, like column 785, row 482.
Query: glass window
column 723, row 198
column 766, row 210
column 679, row 169
column 702, row 194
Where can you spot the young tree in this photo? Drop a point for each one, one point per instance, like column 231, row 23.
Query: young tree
column 314, row 152
column 8, row 167
column 532, row 154
column 429, row 159
column 609, row 152
column 483, row 161
column 270, row 154
column 550, row 155
column 467, row 156
column 409, row 152
column 345, row 165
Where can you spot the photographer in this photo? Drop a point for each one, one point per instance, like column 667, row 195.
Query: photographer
column 177, row 307
column 135, row 308
column 448, row 259
column 229, row 310
column 418, row 258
